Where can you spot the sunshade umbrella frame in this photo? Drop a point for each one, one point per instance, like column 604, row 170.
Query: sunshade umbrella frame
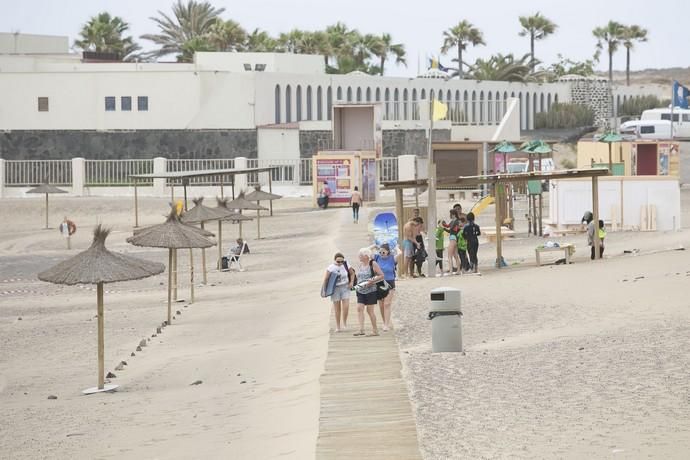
column 47, row 189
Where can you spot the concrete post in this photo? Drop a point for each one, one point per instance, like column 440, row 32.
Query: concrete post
column 2, row 176
column 78, row 176
column 241, row 182
column 160, row 165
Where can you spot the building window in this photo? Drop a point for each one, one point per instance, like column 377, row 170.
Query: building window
column 319, row 103
column 288, row 104
column 42, row 104
column 309, row 104
column 298, row 101
column 109, row 104
column 143, row 103
column 126, row 103
column 277, row 104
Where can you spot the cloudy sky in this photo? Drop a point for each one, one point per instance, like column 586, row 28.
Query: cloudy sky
column 417, row 24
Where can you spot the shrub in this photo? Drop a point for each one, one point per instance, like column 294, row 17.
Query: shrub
column 563, row 115
column 634, row 106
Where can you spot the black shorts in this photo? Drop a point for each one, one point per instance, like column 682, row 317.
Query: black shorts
column 367, row 299
column 391, row 283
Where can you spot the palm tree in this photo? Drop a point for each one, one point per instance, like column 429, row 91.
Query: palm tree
column 260, row 42
column 631, row 34
column 503, row 68
column 193, row 20
column 537, row 27
column 609, row 35
column 290, row 41
column 460, row 36
column 384, row 46
column 340, row 39
column 227, row 35
column 104, row 34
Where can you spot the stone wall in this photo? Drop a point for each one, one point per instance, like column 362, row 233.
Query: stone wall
column 54, row 145
column 398, row 142
column 311, row 142
column 595, row 93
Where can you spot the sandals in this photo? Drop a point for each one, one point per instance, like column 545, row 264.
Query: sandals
column 373, row 334
column 359, row 334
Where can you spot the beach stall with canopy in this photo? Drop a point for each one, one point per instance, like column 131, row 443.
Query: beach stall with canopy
column 47, row 189
column 610, row 138
column 97, row 265
column 173, row 235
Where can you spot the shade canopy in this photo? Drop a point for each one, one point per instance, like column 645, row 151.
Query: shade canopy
column 171, row 234
column 201, row 231
column 611, row 137
column 199, row 213
column 228, row 213
column 504, row 147
column 536, row 146
column 46, row 188
column 99, row 265
column 243, row 203
column 260, row 195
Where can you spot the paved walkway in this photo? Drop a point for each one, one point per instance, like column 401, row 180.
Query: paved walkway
column 365, row 409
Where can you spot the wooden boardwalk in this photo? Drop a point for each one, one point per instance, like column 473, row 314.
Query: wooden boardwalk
column 365, row 410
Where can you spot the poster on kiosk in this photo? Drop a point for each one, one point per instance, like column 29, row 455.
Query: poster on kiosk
column 341, row 173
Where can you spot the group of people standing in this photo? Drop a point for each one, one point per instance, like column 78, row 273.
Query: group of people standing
column 373, row 281
column 463, row 243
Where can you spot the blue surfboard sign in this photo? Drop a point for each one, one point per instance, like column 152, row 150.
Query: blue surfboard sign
column 386, row 229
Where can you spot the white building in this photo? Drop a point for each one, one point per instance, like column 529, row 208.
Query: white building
column 236, row 104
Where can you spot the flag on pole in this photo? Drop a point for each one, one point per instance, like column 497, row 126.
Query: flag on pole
column 680, row 96
column 440, row 110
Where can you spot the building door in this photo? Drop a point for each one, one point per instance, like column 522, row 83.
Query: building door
column 368, row 179
column 646, row 159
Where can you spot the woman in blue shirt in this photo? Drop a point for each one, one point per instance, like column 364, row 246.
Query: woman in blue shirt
column 386, row 261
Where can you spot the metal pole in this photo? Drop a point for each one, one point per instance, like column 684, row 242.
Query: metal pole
column 46, row 211
column 595, row 213
column 170, row 267
column 431, row 205
column 203, row 259
column 399, row 211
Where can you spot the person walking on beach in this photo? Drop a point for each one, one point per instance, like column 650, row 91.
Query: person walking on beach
column 453, row 229
column 409, row 245
column 471, row 232
column 368, row 274
column 386, row 261
column 341, row 293
column 356, row 202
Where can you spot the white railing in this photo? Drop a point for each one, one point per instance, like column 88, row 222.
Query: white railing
column 115, row 172
column 24, row 173
column 478, row 112
column 388, row 169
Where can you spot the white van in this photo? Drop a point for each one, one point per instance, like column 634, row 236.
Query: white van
column 647, row 129
column 681, row 119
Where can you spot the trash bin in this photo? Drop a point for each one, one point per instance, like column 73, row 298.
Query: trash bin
column 446, row 320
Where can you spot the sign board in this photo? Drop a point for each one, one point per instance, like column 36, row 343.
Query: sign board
column 337, row 173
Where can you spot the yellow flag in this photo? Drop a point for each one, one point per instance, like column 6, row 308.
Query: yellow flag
column 178, row 207
column 440, row 110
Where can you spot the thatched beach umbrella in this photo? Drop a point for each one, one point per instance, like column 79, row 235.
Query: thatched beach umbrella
column 98, row 266
column 172, row 234
column 259, row 195
column 241, row 203
column 226, row 213
column 200, row 214
column 47, row 189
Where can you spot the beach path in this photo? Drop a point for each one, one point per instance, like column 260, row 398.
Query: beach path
column 365, row 409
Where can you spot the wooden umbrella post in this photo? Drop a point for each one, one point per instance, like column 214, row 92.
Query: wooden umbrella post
column 191, row 274
column 270, row 190
column 101, row 340
column 220, row 245
column 170, row 265
column 258, row 223
column 46, row 211
column 174, row 273
column 203, row 259
column 498, row 187
column 399, row 212
column 136, row 205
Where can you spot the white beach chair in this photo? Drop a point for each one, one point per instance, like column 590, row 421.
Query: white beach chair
column 236, row 259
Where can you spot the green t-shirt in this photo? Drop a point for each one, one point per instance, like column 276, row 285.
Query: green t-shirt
column 462, row 242
column 440, row 234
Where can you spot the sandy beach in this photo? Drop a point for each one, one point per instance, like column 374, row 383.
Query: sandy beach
column 256, row 339
column 581, row 361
